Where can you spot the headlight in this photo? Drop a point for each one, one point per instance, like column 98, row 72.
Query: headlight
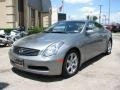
column 52, row 49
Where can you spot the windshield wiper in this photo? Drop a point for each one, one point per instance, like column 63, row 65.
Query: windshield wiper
column 54, row 32
column 58, row 32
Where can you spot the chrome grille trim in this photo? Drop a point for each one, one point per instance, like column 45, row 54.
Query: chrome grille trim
column 25, row 51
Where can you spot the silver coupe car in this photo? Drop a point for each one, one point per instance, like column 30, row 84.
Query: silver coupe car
column 61, row 49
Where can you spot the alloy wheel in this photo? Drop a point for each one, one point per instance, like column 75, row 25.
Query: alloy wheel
column 109, row 47
column 72, row 63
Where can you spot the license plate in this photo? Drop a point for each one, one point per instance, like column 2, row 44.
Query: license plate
column 19, row 63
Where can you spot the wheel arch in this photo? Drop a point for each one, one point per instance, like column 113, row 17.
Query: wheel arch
column 79, row 53
column 111, row 40
column 76, row 49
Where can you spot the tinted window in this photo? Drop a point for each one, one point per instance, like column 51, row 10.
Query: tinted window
column 94, row 26
column 66, row 27
column 98, row 25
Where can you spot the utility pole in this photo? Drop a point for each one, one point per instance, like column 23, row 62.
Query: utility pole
column 109, row 12
column 100, row 8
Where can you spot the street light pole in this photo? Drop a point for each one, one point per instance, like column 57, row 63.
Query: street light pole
column 109, row 12
column 100, row 6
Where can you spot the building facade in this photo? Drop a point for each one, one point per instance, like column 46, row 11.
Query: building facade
column 56, row 16
column 28, row 13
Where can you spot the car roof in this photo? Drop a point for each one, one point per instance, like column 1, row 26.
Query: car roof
column 77, row 21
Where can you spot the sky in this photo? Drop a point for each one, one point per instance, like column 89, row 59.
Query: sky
column 79, row 9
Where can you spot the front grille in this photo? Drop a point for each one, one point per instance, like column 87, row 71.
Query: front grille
column 25, row 51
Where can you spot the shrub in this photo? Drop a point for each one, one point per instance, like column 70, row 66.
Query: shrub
column 7, row 30
column 34, row 30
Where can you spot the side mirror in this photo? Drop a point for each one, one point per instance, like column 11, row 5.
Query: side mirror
column 89, row 32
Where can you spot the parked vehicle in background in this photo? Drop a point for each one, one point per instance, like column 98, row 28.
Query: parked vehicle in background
column 108, row 27
column 118, row 27
column 18, row 33
column 113, row 27
column 5, row 39
column 61, row 48
column 10, row 38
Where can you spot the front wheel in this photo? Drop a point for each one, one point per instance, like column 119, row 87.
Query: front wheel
column 71, row 63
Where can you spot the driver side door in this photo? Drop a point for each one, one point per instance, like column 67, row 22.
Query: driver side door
column 93, row 41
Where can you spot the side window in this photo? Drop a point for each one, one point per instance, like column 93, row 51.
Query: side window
column 90, row 26
column 94, row 26
column 99, row 26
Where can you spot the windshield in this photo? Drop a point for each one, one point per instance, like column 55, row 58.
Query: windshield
column 66, row 26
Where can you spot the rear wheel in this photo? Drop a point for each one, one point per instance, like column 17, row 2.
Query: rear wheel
column 109, row 48
column 71, row 63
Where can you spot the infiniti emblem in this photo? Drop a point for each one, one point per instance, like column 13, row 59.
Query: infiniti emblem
column 21, row 51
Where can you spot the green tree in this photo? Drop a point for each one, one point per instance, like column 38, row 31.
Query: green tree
column 95, row 18
column 88, row 17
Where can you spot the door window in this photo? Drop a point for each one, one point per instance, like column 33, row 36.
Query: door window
column 94, row 26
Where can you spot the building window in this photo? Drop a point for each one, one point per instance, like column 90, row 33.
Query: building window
column 20, row 5
column 21, row 12
column 32, row 17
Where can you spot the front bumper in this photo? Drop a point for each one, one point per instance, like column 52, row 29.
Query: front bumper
column 37, row 64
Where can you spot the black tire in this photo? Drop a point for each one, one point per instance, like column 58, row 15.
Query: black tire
column 108, row 51
column 64, row 70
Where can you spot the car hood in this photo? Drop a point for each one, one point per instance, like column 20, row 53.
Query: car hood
column 42, row 40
